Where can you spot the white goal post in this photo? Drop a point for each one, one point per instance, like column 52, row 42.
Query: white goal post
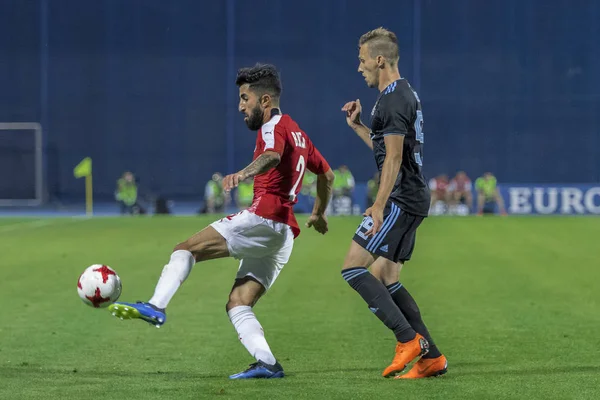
column 35, row 129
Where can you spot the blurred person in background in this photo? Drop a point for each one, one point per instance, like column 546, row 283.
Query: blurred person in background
column 344, row 181
column 439, row 194
column 215, row 198
column 460, row 192
column 372, row 189
column 245, row 194
column 488, row 195
column 126, row 194
column 343, row 187
column 309, row 185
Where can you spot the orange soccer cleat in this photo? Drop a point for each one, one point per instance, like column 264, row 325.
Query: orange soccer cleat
column 426, row 368
column 405, row 353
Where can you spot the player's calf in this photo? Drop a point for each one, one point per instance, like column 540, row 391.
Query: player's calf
column 411, row 311
column 244, row 294
column 173, row 275
column 204, row 245
column 375, row 294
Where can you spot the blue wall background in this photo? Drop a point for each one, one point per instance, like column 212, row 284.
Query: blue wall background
column 509, row 86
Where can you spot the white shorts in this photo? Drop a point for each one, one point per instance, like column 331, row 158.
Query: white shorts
column 263, row 246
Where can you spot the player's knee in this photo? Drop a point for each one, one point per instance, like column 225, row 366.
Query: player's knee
column 187, row 247
column 353, row 261
column 388, row 276
column 182, row 246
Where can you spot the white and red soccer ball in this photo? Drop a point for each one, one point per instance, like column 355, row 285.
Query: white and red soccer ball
column 99, row 286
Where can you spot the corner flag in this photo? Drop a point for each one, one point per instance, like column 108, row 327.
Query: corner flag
column 84, row 168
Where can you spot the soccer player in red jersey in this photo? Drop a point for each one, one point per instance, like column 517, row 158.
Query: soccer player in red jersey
column 262, row 236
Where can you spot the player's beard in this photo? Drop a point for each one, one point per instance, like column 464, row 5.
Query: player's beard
column 374, row 81
column 254, row 121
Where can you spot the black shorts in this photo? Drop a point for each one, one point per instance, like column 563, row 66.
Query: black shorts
column 396, row 238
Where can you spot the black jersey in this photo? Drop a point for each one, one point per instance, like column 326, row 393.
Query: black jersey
column 398, row 112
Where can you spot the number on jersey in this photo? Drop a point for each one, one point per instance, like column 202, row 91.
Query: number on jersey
column 365, row 226
column 300, row 167
column 419, row 127
column 419, row 136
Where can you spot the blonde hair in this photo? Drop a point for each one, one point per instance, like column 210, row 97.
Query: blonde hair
column 381, row 43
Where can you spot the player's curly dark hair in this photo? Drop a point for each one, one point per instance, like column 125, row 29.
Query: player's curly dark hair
column 262, row 78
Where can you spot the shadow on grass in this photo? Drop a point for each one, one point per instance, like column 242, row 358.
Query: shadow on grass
column 455, row 370
column 528, row 371
column 47, row 372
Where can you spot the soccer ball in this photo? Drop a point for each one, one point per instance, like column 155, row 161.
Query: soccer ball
column 99, row 286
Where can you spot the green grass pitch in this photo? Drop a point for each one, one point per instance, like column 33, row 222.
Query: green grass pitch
column 514, row 303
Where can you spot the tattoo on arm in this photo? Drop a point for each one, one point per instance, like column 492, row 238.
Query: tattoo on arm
column 262, row 164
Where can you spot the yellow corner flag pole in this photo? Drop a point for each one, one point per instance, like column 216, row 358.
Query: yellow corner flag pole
column 89, row 202
column 84, row 169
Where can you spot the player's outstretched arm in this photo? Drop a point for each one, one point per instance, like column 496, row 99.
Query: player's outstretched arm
column 353, row 110
column 394, row 145
column 318, row 220
column 263, row 163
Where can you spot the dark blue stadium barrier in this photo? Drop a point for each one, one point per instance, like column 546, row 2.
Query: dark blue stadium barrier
column 509, row 86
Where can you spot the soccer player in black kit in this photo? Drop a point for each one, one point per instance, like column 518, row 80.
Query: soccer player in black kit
column 386, row 237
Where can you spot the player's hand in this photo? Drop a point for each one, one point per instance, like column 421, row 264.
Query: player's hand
column 319, row 222
column 353, row 110
column 232, row 181
column 376, row 214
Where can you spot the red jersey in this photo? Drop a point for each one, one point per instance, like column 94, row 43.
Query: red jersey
column 460, row 185
column 438, row 184
column 276, row 191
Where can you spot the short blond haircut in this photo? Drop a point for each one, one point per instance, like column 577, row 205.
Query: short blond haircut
column 381, row 43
